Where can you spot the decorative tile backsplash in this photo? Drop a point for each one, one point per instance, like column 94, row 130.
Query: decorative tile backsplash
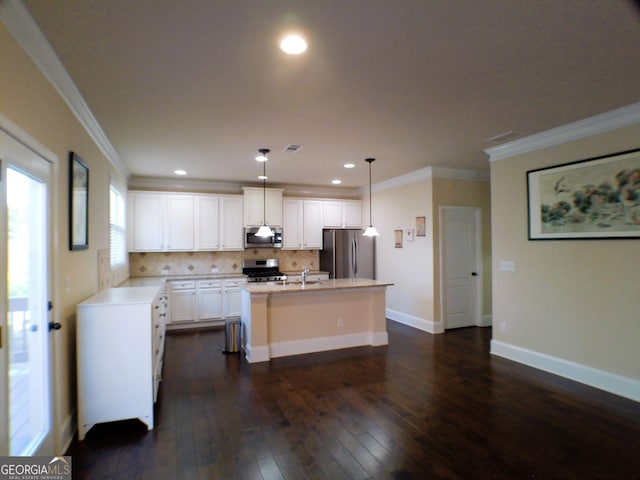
column 155, row 264
column 106, row 277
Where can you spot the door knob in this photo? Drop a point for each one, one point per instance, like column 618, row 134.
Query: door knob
column 55, row 326
column 474, row 274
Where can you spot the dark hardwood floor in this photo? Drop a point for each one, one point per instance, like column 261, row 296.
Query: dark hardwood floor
column 424, row 407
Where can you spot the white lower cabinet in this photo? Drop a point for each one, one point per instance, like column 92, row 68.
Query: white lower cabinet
column 119, row 345
column 232, row 297
column 208, row 302
column 183, row 301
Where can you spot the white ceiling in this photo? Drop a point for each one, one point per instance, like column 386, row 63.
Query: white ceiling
column 201, row 84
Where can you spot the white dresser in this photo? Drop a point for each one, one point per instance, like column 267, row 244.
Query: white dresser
column 120, row 344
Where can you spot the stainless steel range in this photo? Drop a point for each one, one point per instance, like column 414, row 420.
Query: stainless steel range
column 262, row 270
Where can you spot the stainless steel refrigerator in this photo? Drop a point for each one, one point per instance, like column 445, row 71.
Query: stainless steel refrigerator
column 347, row 254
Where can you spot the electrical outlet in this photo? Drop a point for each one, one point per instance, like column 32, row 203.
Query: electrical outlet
column 503, row 327
column 340, row 323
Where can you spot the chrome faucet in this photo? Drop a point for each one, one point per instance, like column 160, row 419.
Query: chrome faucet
column 305, row 272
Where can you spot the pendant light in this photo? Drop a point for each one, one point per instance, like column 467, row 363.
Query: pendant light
column 264, row 230
column 370, row 231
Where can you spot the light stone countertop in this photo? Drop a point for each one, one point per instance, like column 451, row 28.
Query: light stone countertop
column 313, row 286
column 159, row 281
column 121, row 296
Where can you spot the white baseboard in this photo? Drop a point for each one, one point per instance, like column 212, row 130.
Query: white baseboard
column 415, row 322
column 256, row 354
column 609, row 382
column 486, row 321
column 322, row 344
column 67, row 431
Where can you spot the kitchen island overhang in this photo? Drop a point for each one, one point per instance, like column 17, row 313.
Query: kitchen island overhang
column 281, row 319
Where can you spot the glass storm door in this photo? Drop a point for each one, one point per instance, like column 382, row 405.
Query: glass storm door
column 26, row 386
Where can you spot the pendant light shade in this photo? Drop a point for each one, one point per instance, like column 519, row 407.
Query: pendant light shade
column 370, row 231
column 264, row 230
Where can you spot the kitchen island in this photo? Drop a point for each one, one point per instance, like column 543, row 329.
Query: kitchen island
column 287, row 318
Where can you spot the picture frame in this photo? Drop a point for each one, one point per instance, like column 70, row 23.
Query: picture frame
column 397, row 235
column 421, row 224
column 595, row 198
column 78, row 203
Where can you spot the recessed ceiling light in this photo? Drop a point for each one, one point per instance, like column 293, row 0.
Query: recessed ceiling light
column 180, row 172
column 349, row 165
column 293, row 44
column 262, row 177
column 336, row 181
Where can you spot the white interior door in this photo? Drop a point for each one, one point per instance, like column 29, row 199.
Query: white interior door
column 25, row 357
column 460, row 266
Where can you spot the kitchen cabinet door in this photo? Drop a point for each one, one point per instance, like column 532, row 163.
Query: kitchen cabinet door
column 207, row 223
column 254, row 198
column 292, row 224
column 183, row 305
column 312, row 224
column 180, row 223
column 352, row 214
column 209, row 303
column 342, row 214
column 332, row 214
column 231, row 229
column 148, row 222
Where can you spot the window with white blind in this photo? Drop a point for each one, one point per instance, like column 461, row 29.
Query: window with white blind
column 117, row 232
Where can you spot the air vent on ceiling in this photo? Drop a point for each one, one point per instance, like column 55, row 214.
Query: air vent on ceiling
column 292, row 148
column 505, row 137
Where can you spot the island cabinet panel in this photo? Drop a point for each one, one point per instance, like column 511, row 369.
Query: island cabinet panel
column 280, row 319
column 120, row 346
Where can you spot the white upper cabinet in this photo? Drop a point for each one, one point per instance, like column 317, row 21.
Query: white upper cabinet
column 312, row 224
column 207, row 223
column 180, row 225
column 302, row 227
column 254, row 206
column 342, row 214
column 162, row 222
column 231, row 229
column 146, row 223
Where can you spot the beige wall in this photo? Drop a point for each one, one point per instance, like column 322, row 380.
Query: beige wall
column 463, row 193
column 576, row 300
column 410, row 268
column 414, row 268
column 29, row 101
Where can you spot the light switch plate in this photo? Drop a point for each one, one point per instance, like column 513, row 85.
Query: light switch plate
column 507, row 266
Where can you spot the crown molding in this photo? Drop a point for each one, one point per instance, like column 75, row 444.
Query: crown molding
column 26, row 32
column 425, row 174
column 605, row 122
column 212, row 186
column 26, row 140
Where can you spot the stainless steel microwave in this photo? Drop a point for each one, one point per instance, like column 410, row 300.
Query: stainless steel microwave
column 251, row 241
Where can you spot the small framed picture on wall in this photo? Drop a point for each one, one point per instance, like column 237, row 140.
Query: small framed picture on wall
column 421, row 229
column 397, row 236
